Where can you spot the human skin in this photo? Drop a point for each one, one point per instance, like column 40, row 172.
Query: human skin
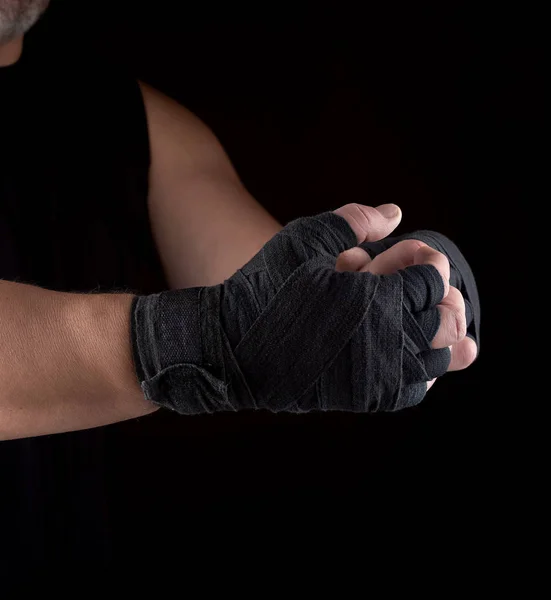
column 65, row 358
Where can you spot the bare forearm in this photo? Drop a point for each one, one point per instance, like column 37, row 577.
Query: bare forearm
column 65, row 361
column 209, row 230
column 205, row 223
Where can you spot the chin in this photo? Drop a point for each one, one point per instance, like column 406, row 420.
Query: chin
column 18, row 16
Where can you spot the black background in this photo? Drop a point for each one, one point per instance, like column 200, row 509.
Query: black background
column 426, row 105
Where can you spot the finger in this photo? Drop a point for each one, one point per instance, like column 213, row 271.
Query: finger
column 411, row 395
column 354, row 259
column 423, row 287
column 463, row 354
column 436, row 362
column 368, row 223
column 376, row 248
column 428, row 256
column 325, row 236
column 400, row 256
column 453, row 325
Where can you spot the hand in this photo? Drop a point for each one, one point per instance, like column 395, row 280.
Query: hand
column 404, row 254
column 288, row 332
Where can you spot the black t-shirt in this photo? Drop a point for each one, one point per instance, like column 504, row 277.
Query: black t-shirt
column 74, row 157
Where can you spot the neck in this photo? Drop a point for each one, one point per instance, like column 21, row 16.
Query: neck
column 11, row 51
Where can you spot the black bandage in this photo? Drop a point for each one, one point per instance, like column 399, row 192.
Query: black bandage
column 461, row 275
column 287, row 332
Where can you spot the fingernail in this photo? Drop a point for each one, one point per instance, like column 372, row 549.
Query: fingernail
column 389, row 211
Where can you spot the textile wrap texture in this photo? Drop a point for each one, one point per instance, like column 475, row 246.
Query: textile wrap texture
column 289, row 333
column 461, row 274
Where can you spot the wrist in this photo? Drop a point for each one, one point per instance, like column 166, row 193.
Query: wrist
column 65, row 361
column 182, row 352
column 98, row 326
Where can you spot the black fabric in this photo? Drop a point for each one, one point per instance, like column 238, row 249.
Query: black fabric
column 74, row 160
column 289, row 333
column 461, row 275
column 118, row 491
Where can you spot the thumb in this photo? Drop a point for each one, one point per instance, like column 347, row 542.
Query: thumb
column 368, row 223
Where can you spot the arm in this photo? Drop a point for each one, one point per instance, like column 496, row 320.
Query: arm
column 65, row 361
column 205, row 223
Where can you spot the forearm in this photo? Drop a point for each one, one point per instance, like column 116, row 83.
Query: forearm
column 65, row 361
column 208, row 230
column 205, row 223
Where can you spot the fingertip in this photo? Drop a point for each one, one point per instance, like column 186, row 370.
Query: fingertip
column 470, row 336
column 464, row 354
column 390, row 211
column 471, row 349
column 368, row 223
column 355, row 259
column 399, row 256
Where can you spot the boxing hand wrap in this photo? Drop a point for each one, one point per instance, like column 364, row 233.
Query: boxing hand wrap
column 289, row 333
column 461, row 275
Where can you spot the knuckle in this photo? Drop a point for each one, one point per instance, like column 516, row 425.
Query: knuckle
column 352, row 259
column 443, row 259
column 434, row 254
column 365, row 215
column 470, row 354
column 411, row 245
column 454, row 294
column 453, row 326
column 445, row 263
column 460, row 324
column 457, row 296
column 426, row 254
column 455, row 300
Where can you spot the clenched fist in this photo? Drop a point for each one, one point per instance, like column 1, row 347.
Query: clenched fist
column 295, row 330
column 402, row 254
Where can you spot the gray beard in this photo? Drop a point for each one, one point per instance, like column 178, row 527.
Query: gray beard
column 18, row 16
